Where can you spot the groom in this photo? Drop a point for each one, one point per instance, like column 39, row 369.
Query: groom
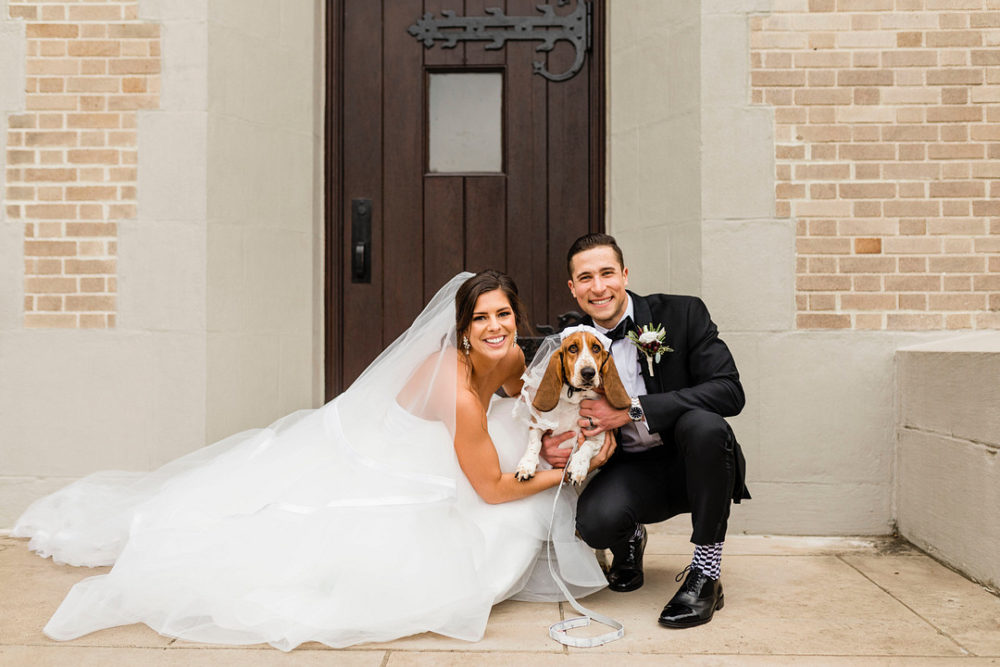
column 676, row 453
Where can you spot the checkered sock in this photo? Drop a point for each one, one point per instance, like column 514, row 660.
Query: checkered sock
column 708, row 559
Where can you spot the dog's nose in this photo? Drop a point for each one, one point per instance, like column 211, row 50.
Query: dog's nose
column 588, row 373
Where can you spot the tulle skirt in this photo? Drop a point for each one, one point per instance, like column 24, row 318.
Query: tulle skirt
column 289, row 534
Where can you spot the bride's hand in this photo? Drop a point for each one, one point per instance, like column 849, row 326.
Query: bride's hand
column 601, row 457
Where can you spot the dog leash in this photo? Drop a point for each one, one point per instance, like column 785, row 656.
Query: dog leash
column 558, row 630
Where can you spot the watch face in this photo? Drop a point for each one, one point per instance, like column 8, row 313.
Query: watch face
column 635, row 413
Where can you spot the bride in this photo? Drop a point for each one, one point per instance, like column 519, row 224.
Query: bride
column 382, row 514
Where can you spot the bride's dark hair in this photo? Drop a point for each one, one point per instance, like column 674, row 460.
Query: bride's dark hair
column 479, row 284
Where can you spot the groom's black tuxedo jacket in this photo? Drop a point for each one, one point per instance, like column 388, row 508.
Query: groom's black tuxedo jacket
column 699, row 373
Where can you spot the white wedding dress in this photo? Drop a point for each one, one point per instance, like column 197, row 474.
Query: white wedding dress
column 346, row 524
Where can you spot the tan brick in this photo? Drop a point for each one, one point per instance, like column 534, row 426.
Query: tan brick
column 52, row 66
column 909, row 58
column 821, row 77
column 958, row 321
column 822, row 96
column 50, row 30
column 865, row 132
column 92, row 285
column 822, row 171
column 93, row 120
column 914, row 322
column 49, row 303
column 823, row 245
column 911, row 209
column 133, row 85
column 867, row 209
column 48, row 102
column 91, row 229
column 909, row 39
column 821, row 228
column 819, row 133
column 939, row 38
column 49, row 248
column 868, row 321
column 866, row 283
column 955, row 171
column 49, row 320
column 956, row 207
column 823, row 321
column 953, row 283
column 867, row 96
column 823, row 152
column 81, row 302
column 91, row 193
column 956, row 301
column 910, row 170
column 46, row 267
column 868, row 301
column 49, row 175
column 866, row 152
column 867, row 77
column 110, row 12
column 782, row 78
column 959, row 264
column 957, row 245
column 867, row 190
column 822, row 191
column 958, row 189
column 955, row 151
column 824, row 59
column 90, row 266
column 94, row 66
column 955, row 133
column 92, row 156
column 50, row 285
column 966, row 226
column 867, row 246
column 913, row 302
column 22, row 193
column 880, row 264
column 94, row 47
column 134, row 66
column 822, row 302
column 24, row 12
column 50, row 211
column 128, row 102
column 822, row 209
column 93, row 320
column 986, row 283
column 954, row 76
column 823, row 283
column 134, row 30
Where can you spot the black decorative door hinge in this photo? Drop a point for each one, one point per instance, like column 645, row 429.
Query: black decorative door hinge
column 497, row 28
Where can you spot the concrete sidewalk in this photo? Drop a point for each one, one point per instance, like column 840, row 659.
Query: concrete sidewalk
column 788, row 600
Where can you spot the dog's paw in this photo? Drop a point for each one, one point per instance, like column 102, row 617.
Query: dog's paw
column 526, row 469
column 578, row 469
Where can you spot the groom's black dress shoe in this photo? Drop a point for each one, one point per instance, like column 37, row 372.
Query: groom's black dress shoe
column 626, row 569
column 694, row 602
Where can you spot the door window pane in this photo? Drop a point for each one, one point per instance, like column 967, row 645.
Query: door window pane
column 465, row 122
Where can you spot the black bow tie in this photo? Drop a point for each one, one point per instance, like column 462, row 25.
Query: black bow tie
column 621, row 330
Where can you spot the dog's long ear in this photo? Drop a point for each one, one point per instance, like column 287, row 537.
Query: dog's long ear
column 548, row 391
column 614, row 390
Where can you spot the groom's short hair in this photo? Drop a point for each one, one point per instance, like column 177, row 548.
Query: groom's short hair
column 588, row 241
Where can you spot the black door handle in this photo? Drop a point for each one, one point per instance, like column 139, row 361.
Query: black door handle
column 361, row 240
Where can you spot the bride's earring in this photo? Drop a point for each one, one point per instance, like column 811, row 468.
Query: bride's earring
column 515, row 338
column 465, row 344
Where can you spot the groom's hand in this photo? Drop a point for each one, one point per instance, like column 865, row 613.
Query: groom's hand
column 552, row 451
column 597, row 416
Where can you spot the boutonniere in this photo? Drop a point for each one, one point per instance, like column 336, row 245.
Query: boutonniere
column 651, row 341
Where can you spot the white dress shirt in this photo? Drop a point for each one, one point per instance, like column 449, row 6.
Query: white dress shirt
column 635, row 436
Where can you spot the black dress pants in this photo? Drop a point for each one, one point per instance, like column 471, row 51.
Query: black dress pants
column 693, row 473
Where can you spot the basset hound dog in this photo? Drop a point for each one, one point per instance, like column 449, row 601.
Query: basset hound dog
column 575, row 371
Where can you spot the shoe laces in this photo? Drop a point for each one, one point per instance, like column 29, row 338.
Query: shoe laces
column 692, row 582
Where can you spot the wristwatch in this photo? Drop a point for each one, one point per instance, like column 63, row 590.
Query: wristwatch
column 635, row 412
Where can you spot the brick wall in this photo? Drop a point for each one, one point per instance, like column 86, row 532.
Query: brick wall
column 72, row 155
column 887, row 145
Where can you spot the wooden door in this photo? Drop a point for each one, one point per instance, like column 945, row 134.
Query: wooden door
column 427, row 226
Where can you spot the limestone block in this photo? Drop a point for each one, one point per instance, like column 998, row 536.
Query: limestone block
column 297, row 367
column 11, row 272
column 233, row 168
column 623, row 186
column 161, row 275
column 647, row 256
column 827, row 409
column 749, row 273
column 174, row 10
column 667, row 171
column 709, row 7
column 254, row 18
column 226, row 296
column 815, row 508
column 172, row 166
column 72, row 402
column 725, row 44
column 12, row 63
column 279, row 281
column 301, row 24
column 242, row 382
column 947, row 494
column 685, row 258
column 737, row 167
column 185, row 66
column 952, row 387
